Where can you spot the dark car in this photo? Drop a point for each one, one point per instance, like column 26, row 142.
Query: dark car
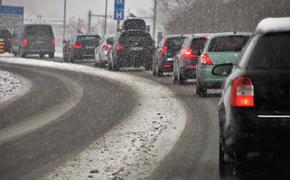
column 33, row 39
column 185, row 62
column 167, row 48
column 7, row 37
column 132, row 48
column 254, row 110
column 220, row 48
column 134, row 24
column 80, row 47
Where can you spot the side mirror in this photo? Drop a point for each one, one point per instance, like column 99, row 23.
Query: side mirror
column 222, row 69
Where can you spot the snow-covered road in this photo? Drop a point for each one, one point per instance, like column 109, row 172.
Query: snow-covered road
column 134, row 148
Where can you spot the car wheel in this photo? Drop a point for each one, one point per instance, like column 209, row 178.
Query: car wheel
column 109, row 66
column 21, row 53
column 159, row 72
column 200, row 90
column 175, row 79
column 148, row 66
column 181, row 79
column 51, row 55
column 115, row 67
column 41, row 56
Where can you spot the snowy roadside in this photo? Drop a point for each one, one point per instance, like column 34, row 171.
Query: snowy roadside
column 134, row 148
column 11, row 86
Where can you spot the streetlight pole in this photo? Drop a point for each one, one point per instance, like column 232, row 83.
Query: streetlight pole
column 154, row 18
column 106, row 14
column 64, row 20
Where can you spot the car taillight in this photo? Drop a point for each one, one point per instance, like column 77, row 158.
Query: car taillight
column 25, row 42
column 206, row 60
column 119, row 47
column 53, row 42
column 187, row 54
column 105, row 47
column 76, row 46
column 242, row 92
column 164, row 49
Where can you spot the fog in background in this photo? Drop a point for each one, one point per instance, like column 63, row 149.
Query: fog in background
column 78, row 8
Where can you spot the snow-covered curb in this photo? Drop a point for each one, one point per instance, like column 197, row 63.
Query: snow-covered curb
column 11, row 86
column 134, row 148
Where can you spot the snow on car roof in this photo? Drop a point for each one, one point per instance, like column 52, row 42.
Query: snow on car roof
column 269, row 25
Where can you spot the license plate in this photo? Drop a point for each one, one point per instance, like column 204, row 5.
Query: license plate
column 39, row 42
column 136, row 48
column 89, row 47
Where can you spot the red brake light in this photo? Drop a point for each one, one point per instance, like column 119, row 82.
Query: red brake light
column 119, row 47
column 242, row 92
column 206, row 60
column 187, row 54
column 53, row 42
column 105, row 47
column 164, row 49
column 25, row 42
column 76, row 46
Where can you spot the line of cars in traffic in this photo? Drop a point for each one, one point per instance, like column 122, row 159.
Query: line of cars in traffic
column 253, row 71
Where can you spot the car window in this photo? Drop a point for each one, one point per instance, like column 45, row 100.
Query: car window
column 198, row 44
column 39, row 31
column 228, row 43
column 135, row 37
column 272, row 52
column 175, row 43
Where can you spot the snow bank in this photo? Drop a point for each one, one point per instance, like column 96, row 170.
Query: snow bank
column 134, row 148
column 10, row 86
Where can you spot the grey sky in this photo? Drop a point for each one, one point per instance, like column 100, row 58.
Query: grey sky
column 77, row 8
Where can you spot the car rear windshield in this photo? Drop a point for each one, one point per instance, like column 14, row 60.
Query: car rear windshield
column 131, row 24
column 175, row 43
column 132, row 37
column 39, row 31
column 228, row 43
column 272, row 52
column 198, row 44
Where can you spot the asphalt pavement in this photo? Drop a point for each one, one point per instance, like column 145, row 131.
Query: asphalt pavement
column 30, row 155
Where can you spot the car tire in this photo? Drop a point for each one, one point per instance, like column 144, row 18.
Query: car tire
column 102, row 65
column 115, row 67
column 110, row 66
column 148, row 66
column 181, row 79
column 175, row 79
column 51, row 55
column 200, row 90
column 41, row 56
column 159, row 72
column 21, row 53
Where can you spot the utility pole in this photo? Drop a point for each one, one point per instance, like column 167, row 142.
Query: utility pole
column 0, row 2
column 154, row 18
column 89, row 23
column 106, row 14
column 64, row 20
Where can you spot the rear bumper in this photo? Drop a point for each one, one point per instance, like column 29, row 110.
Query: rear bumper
column 39, row 50
column 250, row 133
column 166, row 64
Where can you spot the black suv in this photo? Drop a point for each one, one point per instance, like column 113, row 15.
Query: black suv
column 254, row 111
column 80, row 47
column 6, row 36
column 33, row 39
column 167, row 48
column 132, row 48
